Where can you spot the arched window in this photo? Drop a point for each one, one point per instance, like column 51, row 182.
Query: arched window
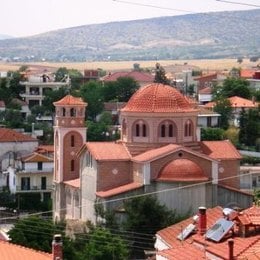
column 167, row 129
column 188, row 128
column 170, row 130
column 163, row 130
column 137, row 130
column 140, row 129
column 72, row 141
column 124, row 127
column 144, row 130
column 63, row 111
column 72, row 165
column 72, row 112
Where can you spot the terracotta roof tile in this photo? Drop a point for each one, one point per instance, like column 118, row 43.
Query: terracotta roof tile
column 45, row 149
column 119, row 190
column 206, row 90
column 244, row 247
column 36, row 157
column 156, row 153
column 70, row 100
column 103, row 151
column 247, row 73
column 158, row 98
column 9, row 135
column 224, row 150
column 136, row 75
column 10, row 251
column 182, row 170
column 250, row 216
column 236, row 102
column 206, row 76
column 74, row 183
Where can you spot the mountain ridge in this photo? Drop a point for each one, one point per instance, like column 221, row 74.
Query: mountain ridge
column 211, row 35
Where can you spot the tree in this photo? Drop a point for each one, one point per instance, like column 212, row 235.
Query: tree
column 53, row 96
column 211, row 134
column 233, row 87
column 120, row 90
column 103, row 244
column 91, row 92
column 33, row 232
column 160, row 76
column 223, row 107
column 249, row 126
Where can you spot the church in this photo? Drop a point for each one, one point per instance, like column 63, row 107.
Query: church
column 159, row 153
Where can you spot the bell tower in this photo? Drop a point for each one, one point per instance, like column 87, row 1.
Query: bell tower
column 69, row 136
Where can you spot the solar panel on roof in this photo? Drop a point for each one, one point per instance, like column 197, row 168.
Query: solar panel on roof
column 219, row 229
column 186, row 232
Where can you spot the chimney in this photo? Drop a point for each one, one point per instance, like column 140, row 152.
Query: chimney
column 57, row 247
column 202, row 220
column 230, row 249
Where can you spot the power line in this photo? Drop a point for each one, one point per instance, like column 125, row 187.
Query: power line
column 238, row 3
column 153, row 6
column 138, row 195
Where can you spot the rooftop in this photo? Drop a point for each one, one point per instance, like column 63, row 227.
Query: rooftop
column 10, row 135
column 70, row 100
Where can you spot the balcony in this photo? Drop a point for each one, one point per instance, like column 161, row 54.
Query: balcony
column 38, row 188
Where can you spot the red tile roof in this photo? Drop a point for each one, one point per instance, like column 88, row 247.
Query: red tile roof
column 206, row 90
column 247, row 73
column 156, row 153
column 182, row 170
column 36, row 157
column 70, row 100
column 223, row 150
column 119, row 190
column 237, row 102
column 244, row 247
column 206, row 76
column 9, row 135
column 103, row 151
column 10, row 251
column 250, row 216
column 45, row 149
column 158, row 98
column 74, row 183
column 136, row 75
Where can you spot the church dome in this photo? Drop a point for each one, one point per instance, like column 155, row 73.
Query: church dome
column 182, row 170
column 157, row 97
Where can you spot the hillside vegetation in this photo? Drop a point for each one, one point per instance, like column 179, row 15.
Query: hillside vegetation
column 193, row 36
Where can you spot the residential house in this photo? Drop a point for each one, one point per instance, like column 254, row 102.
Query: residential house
column 35, row 175
column 10, row 251
column 206, row 80
column 142, row 78
column 13, row 145
column 238, row 104
column 250, row 177
column 214, row 233
column 158, row 151
column 254, row 82
column 207, row 117
column 205, row 95
column 35, row 87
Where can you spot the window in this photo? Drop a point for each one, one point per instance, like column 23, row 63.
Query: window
column 72, row 112
column 43, row 183
column 25, row 183
column 167, row 129
column 188, row 128
column 72, row 165
column 39, row 166
column 140, row 129
column 72, row 141
column 63, row 111
column 209, row 121
column 89, row 160
column 137, row 130
column 163, row 131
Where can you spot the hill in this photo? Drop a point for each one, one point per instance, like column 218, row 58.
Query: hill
column 193, row 36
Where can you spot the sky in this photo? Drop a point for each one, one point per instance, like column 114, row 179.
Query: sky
column 21, row 18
